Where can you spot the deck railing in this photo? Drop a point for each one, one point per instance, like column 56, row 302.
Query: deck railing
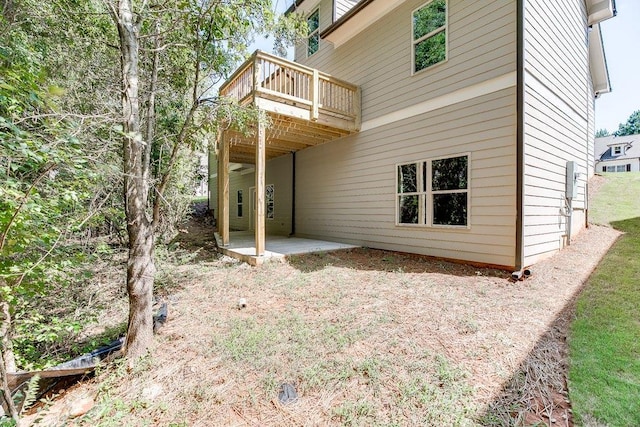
column 269, row 76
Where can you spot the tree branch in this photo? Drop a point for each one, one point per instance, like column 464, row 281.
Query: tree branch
column 42, row 258
column 3, row 238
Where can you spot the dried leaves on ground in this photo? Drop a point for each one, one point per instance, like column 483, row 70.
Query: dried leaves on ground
column 364, row 336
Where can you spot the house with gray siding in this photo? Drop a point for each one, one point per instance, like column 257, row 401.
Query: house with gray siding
column 617, row 154
column 459, row 129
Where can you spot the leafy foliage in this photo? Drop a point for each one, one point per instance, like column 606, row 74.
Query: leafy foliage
column 46, row 185
column 61, row 174
column 631, row 127
column 602, row 133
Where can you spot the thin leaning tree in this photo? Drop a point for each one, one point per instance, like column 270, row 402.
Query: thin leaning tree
column 171, row 59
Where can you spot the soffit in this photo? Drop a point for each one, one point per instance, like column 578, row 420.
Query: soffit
column 303, row 7
column 361, row 16
column 599, row 10
column 598, row 62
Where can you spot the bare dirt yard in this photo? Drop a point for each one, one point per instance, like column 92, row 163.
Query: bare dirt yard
column 365, row 337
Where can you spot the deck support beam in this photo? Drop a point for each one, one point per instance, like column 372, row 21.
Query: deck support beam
column 223, row 189
column 260, row 166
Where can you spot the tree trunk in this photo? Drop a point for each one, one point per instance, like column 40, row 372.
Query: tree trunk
column 140, row 266
column 6, row 330
column 140, row 271
column 7, row 360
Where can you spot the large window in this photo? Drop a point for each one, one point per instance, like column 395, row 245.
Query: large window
column 429, row 34
column 617, row 168
column 313, row 38
column 434, row 192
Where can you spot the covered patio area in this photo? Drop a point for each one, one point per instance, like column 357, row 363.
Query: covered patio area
column 242, row 246
column 304, row 108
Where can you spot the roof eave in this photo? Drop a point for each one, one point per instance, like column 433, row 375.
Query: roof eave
column 599, row 10
column 361, row 16
column 598, row 62
column 344, row 18
column 301, row 6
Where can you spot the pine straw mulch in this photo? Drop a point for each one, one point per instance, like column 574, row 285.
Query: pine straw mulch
column 365, row 337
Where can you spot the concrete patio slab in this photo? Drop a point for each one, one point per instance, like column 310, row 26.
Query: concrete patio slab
column 242, row 246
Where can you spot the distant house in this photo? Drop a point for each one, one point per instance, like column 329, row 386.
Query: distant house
column 460, row 129
column 617, row 154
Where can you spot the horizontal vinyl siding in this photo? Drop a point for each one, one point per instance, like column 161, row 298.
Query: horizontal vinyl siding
column 558, row 122
column 325, row 11
column 278, row 173
column 346, row 189
column 556, row 48
column 481, row 46
column 238, row 181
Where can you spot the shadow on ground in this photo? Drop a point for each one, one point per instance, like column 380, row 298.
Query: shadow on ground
column 380, row 260
column 537, row 393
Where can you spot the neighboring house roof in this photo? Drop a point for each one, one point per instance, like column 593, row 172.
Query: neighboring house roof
column 604, row 148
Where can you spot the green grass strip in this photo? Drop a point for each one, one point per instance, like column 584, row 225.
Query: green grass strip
column 604, row 346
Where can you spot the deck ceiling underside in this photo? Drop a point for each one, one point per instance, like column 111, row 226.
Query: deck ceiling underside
column 284, row 135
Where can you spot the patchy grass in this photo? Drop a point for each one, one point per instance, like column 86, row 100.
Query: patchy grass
column 366, row 337
column 199, row 199
column 617, row 199
column 604, row 378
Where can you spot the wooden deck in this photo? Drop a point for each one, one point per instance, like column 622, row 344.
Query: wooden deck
column 305, row 107
column 242, row 247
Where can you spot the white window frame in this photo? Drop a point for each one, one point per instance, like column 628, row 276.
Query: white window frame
column 315, row 33
column 617, row 150
column 425, row 197
column 415, row 42
column 617, row 168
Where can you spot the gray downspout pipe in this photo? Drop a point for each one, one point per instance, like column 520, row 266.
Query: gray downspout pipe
column 519, row 250
column 293, row 193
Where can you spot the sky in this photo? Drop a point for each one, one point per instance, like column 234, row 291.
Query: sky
column 621, row 37
column 267, row 44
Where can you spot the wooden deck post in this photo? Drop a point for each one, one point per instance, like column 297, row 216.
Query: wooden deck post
column 315, row 96
column 223, row 189
column 260, row 189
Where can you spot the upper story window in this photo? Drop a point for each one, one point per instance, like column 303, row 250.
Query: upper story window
column 313, row 39
column 617, row 150
column 429, row 35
